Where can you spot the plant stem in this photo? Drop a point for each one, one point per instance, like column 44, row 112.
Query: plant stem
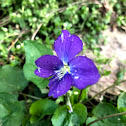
column 30, row 96
column 69, row 104
column 116, row 83
column 117, row 114
column 80, row 96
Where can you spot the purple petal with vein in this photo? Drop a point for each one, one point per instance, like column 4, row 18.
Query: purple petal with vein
column 47, row 65
column 83, row 72
column 59, row 87
column 67, row 46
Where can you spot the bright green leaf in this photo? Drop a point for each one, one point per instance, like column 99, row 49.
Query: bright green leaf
column 62, row 117
column 121, row 104
column 59, row 116
column 121, row 100
column 76, row 94
column 34, row 50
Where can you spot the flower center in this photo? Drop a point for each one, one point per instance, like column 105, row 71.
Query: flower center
column 62, row 71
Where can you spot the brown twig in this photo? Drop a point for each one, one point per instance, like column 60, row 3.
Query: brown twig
column 117, row 114
column 19, row 36
column 116, row 83
column 103, row 95
column 30, row 96
column 6, row 20
column 80, row 95
column 36, row 31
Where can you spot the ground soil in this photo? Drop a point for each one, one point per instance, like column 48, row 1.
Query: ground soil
column 116, row 50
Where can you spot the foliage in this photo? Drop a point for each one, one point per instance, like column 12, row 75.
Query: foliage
column 24, row 17
column 23, row 95
column 33, row 50
column 104, row 109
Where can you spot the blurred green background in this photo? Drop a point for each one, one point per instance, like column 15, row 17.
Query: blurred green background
column 43, row 20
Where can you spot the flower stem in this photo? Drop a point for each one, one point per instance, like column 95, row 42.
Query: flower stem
column 80, row 96
column 30, row 96
column 117, row 114
column 69, row 104
column 116, row 83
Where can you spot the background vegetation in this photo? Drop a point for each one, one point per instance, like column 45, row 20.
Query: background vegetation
column 28, row 29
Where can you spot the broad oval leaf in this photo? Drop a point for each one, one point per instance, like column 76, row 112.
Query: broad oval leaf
column 34, row 50
column 4, row 109
column 41, row 108
column 12, row 79
column 81, row 112
column 121, row 102
column 59, row 116
column 15, row 115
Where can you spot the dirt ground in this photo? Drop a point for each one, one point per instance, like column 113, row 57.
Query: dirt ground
column 116, row 50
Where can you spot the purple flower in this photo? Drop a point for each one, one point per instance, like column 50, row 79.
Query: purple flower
column 66, row 69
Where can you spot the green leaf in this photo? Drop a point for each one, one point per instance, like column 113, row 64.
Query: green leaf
column 121, row 102
column 16, row 112
column 91, row 119
column 4, row 109
column 71, row 120
column 120, row 75
column 62, row 117
column 34, row 50
column 102, row 110
column 41, row 108
column 12, row 79
column 59, row 116
column 81, row 112
column 29, row 74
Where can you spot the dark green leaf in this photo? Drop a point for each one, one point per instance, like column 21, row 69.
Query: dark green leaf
column 16, row 110
column 81, row 111
column 12, row 79
column 4, row 109
column 41, row 108
column 102, row 110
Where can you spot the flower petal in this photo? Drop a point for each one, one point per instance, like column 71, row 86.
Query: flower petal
column 67, row 46
column 84, row 72
column 47, row 64
column 59, row 87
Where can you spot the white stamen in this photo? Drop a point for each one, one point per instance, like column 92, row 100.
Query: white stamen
column 62, row 71
column 57, row 92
